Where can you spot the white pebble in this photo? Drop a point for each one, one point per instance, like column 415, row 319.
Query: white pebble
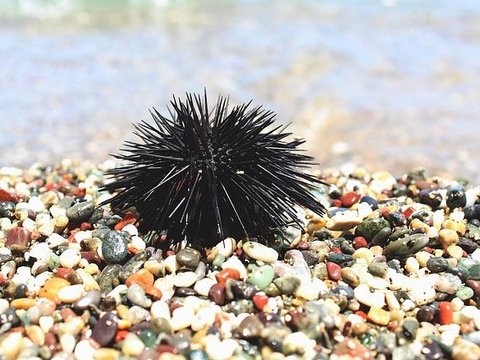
column 310, row 290
column 165, row 285
column 185, row 279
column 219, row 350
column 182, row 318
column 70, row 258
column 84, row 350
column 476, row 255
column 204, row 318
column 82, row 235
column 202, row 286
column 160, row 309
column 469, row 312
column 260, row 252
column 4, row 305
column 55, row 240
column 131, row 229
column 39, row 251
column 226, row 247
column 46, row 323
column 67, row 342
column 35, row 204
column 132, row 345
column 171, row 264
column 72, row 293
column 412, row 265
column 29, row 224
column 57, row 211
column 138, row 243
column 116, row 293
column 392, row 301
column 369, row 298
column 299, row 342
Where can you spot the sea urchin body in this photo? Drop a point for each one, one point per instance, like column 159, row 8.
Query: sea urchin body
column 206, row 174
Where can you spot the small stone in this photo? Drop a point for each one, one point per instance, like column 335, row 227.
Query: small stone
column 17, row 239
column 204, row 318
column 448, row 283
column 217, row 294
column 67, row 342
column 70, row 294
column 182, row 318
column 188, row 257
column 350, row 277
column 250, row 327
column 51, row 288
column 70, row 258
column 412, row 266
column 80, row 212
column 350, row 198
column 185, row 279
column 426, row 314
column 447, row 237
column 455, row 252
column 84, row 350
column 260, row 252
column 203, row 286
column 456, row 197
column 114, row 247
column 437, row 264
column 465, row 350
column 406, row 246
column 370, row 298
column 226, row 247
column 445, row 313
column 132, row 345
column 36, row 334
column 24, row 303
column 136, row 295
column 334, row 271
column 234, row 263
column 378, row 269
column 378, row 316
column 261, row 277
column 287, row 284
column 91, row 298
column 368, row 228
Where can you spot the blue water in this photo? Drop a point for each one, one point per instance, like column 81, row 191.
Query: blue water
column 387, row 85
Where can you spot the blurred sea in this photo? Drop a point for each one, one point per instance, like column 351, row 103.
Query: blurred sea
column 383, row 84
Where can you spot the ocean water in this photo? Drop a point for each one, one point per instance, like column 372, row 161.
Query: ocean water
column 382, row 84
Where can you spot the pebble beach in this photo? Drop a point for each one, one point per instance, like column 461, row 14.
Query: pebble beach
column 392, row 271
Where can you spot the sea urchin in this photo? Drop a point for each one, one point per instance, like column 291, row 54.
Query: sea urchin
column 206, row 174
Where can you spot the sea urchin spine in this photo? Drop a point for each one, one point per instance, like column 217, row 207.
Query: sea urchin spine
column 204, row 175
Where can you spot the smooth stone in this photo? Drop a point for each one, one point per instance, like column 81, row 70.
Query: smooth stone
column 343, row 221
column 465, row 350
column 474, row 272
column 464, row 293
column 334, row 271
column 406, row 246
column 160, row 309
column 70, row 258
column 370, row 298
column 204, row 318
column 260, row 252
column 368, row 228
column 188, row 257
column 80, row 212
column 437, row 264
column 114, row 247
column 91, row 298
column 105, row 329
column 426, row 313
column 445, row 313
column 143, row 278
column 137, row 314
column 72, row 293
column 261, row 277
column 379, row 269
column 185, row 279
column 448, row 283
column 456, row 197
column 134, row 266
column 136, row 295
column 474, row 285
column 17, row 238
column 310, row 290
column 235, row 263
column 250, row 327
column 287, row 284
column 132, row 345
column 378, row 316
column 448, row 237
column 350, row 277
column 422, row 291
column 217, row 294
column 203, row 286
column 226, row 247
column 182, row 318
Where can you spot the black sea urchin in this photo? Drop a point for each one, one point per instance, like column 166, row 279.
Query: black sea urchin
column 204, row 175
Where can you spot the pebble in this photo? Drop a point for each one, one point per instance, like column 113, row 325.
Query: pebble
column 448, row 283
column 261, row 277
column 448, row 237
column 182, row 318
column 445, row 313
column 132, row 345
column 188, row 257
column 80, row 212
column 287, row 284
column 378, row 316
column 70, row 258
column 70, row 294
column 114, row 247
column 260, row 252
column 369, row 298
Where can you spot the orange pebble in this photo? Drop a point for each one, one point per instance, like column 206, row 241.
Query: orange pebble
column 225, row 274
column 52, row 287
column 445, row 315
column 143, row 277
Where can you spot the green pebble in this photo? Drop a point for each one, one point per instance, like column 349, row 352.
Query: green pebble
column 261, row 277
column 368, row 228
column 464, row 293
column 474, row 272
column 53, row 261
column 378, row 269
column 219, row 260
column 148, row 337
column 287, row 284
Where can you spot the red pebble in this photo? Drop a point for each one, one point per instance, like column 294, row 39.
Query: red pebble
column 336, row 250
column 408, row 212
column 359, row 242
column 165, row 348
column 67, row 314
column 260, row 301
column 8, row 196
column 64, row 273
column 226, row 274
column 445, row 313
column 127, row 219
column 474, row 285
column 350, row 198
column 334, row 271
column 18, row 236
column 362, row 314
column 121, row 334
column 336, row 202
column 85, row 226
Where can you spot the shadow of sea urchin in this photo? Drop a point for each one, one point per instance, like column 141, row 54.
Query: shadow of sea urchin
column 206, row 174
